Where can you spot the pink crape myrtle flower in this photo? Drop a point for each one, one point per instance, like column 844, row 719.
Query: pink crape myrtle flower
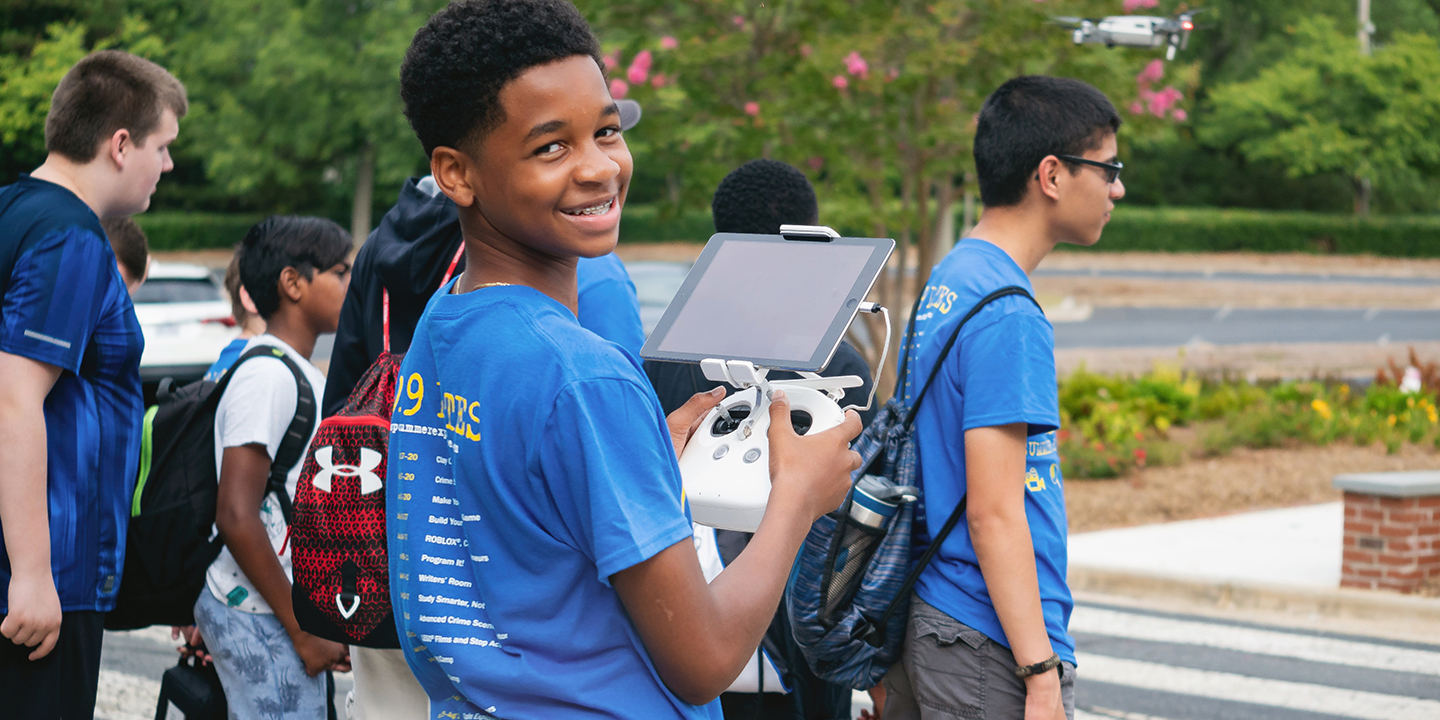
column 806, row 50
column 752, row 108
column 1180, row 115
column 895, row 72
column 856, row 65
column 840, row 81
column 619, row 88
column 658, row 80
column 738, row 20
column 1137, row 107
column 1152, row 72
column 640, row 67
column 1133, row 5
column 816, row 163
column 669, row 43
column 1159, row 103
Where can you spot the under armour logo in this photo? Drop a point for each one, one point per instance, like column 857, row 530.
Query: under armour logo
column 369, row 460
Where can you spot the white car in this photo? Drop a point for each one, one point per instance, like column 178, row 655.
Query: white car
column 185, row 316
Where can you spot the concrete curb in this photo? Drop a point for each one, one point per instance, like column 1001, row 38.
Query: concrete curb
column 1337, row 603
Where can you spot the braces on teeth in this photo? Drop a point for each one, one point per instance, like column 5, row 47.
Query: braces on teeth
column 596, row 210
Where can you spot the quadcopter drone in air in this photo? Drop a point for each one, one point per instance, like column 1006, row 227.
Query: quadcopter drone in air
column 1142, row 31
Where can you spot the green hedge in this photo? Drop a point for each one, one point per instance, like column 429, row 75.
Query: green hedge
column 202, row 231
column 1131, row 228
column 194, row 231
column 1213, row 230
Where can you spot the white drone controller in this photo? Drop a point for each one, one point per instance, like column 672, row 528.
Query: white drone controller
column 726, row 464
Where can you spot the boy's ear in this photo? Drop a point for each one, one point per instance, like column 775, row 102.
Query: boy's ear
column 290, row 284
column 453, row 170
column 1047, row 177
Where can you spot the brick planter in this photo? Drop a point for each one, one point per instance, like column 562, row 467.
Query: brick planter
column 1392, row 530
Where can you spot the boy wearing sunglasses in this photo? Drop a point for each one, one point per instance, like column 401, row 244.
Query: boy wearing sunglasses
column 987, row 634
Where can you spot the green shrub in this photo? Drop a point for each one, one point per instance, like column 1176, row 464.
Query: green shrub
column 194, row 231
column 1111, row 424
column 1217, row 230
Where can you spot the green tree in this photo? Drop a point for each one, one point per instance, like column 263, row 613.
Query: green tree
column 27, row 83
column 874, row 99
column 288, row 94
column 1325, row 108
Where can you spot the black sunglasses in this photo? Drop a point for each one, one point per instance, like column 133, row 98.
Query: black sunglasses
column 1112, row 170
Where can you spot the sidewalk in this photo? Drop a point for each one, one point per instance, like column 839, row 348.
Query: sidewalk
column 1284, row 560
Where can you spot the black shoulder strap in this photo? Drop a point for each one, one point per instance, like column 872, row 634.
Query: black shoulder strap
column 874, row 632
column 297, row 436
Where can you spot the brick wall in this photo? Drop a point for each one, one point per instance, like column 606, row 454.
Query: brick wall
column 1391, row 543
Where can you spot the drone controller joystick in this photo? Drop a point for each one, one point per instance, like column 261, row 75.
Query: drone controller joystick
column 726, row 464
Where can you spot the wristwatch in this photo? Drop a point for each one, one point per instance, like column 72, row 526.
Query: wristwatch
column 1025, row 671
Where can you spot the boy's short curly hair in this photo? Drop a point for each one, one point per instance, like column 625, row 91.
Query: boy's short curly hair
column 457, row 64
column 760, row 196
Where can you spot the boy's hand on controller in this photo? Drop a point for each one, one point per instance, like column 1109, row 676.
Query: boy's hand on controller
column 812, row 471
column 687, row 417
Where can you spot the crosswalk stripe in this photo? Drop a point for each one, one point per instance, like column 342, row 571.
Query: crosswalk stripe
column 1259, row 691
column 1099, row 713
column 1250, row 640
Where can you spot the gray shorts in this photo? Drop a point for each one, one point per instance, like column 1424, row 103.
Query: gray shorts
column 974, row 678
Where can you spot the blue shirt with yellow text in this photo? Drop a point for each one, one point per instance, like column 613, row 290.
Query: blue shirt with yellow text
column 1001, row 371
column 529, row 462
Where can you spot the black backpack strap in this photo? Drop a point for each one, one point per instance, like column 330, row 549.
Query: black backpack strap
column 874, row 632
column 297, row 436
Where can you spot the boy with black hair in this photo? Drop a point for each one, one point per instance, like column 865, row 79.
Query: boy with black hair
column 71, row 403
column 540, row 546
column 131, row 248
column 758, row 197
column 988, row 623
column 295, row 271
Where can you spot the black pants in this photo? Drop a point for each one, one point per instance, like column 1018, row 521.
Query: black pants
column 61, row 685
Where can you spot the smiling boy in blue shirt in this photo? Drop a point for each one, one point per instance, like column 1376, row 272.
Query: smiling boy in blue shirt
column 541, row 555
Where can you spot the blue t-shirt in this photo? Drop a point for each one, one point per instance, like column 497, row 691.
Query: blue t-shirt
column 1001, row 371
column 607, row 303
column 228, row 356
column 64, row 304
column 529, row 461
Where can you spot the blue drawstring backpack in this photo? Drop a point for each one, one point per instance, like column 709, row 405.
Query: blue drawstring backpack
column 849, row 592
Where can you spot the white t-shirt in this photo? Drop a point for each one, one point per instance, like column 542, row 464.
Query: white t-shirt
column 257, row 407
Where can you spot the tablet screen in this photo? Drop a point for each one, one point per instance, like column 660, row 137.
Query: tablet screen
column 775, row 302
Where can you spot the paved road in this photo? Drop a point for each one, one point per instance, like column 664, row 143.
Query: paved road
column 1143, row 327
column 1134, row 665
column 1142, row 665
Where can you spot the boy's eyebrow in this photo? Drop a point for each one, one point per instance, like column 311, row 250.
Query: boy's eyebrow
column 553, row 125
column 545, row 127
